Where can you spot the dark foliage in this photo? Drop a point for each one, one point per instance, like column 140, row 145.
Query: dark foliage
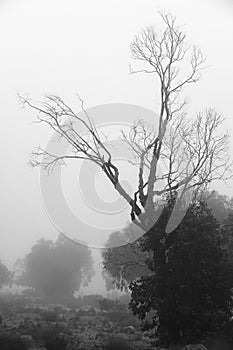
column 110, row 304
column 117, row 344
column 126, row 261
column 190, row 286
column 12, row 304
column 56, row 270
column 52, row 338
column 12, row 342
column 50, row 316
column 219, row 343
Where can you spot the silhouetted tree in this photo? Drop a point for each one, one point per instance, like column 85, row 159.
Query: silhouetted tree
column 193, row 151
column 57, row 269
column 126, row 261
column 191, row 281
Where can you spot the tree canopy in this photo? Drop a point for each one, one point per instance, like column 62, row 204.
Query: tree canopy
column 191, row 281
column 126, row 261
column 56, row 269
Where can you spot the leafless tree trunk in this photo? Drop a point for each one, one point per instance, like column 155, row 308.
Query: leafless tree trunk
column 194, row 151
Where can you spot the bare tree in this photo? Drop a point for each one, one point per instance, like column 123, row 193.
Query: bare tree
column 194, row 152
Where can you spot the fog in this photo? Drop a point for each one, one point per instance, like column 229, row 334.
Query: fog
column 83, row 46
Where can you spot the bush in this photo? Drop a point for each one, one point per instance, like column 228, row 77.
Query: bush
column 117, row 344
column 53, row 339
column 6, row 306
column 50, row 316
column 81, row 313
column 122, row 318
column 12, row 304
column 115, row 317
column 110, row 305
column 12, row 342
column 74, row 320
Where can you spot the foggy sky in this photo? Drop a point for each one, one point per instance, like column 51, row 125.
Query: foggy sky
column 65, row 47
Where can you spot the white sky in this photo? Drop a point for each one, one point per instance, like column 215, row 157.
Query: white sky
column 64, row 47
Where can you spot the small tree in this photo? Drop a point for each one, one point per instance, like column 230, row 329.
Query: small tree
column 56, row 270
column 126, row 261
column 5, row 275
